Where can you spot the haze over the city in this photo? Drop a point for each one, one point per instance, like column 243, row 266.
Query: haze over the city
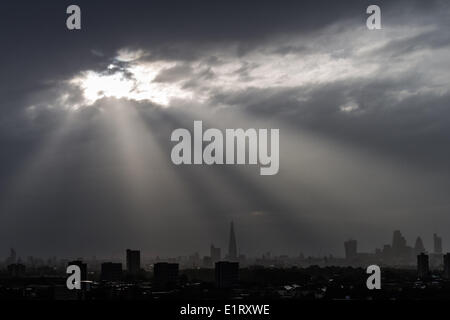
column 86, row 118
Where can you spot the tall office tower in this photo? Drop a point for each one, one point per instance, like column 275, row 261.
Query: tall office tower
column 133, row 261
column 351, row 247
column 446, row 274
column 232, row 247
column 12, row 257
column 111, row 271
column 16, row 270
column 422, row 266
column 401, row 253
column 419, row 247
column 437, row 243
column 215, row 254
column 226, row 274
column 398, row 242
column 165, row 274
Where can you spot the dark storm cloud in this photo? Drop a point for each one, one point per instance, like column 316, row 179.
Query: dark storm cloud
column 37, row 46
column 390, row 99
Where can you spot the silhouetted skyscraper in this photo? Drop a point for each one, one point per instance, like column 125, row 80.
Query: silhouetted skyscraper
column 133, row 261
column 12, row 257
column 446, row 274
column 215, row 254
column 437, row 243
column 227, row 274
column 419, row 247
column 422, row 265
column 16, row 270
column 165, row 274
column 398, row 242
column 351, row 247
column 232, row 247
column 401, row 253
column 111, row 271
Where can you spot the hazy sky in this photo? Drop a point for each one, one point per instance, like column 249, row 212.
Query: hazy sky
column 86, row 118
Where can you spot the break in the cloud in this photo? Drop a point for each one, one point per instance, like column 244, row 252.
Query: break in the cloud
column 335, row 56
column 363, row 118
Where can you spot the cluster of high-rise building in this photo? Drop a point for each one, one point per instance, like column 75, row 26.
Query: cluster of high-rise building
column 398, row 253
column 165, row 274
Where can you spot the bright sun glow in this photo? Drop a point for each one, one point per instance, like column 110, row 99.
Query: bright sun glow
column 135, row 82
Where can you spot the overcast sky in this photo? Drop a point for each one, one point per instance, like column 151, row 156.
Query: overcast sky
column 86, row 118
